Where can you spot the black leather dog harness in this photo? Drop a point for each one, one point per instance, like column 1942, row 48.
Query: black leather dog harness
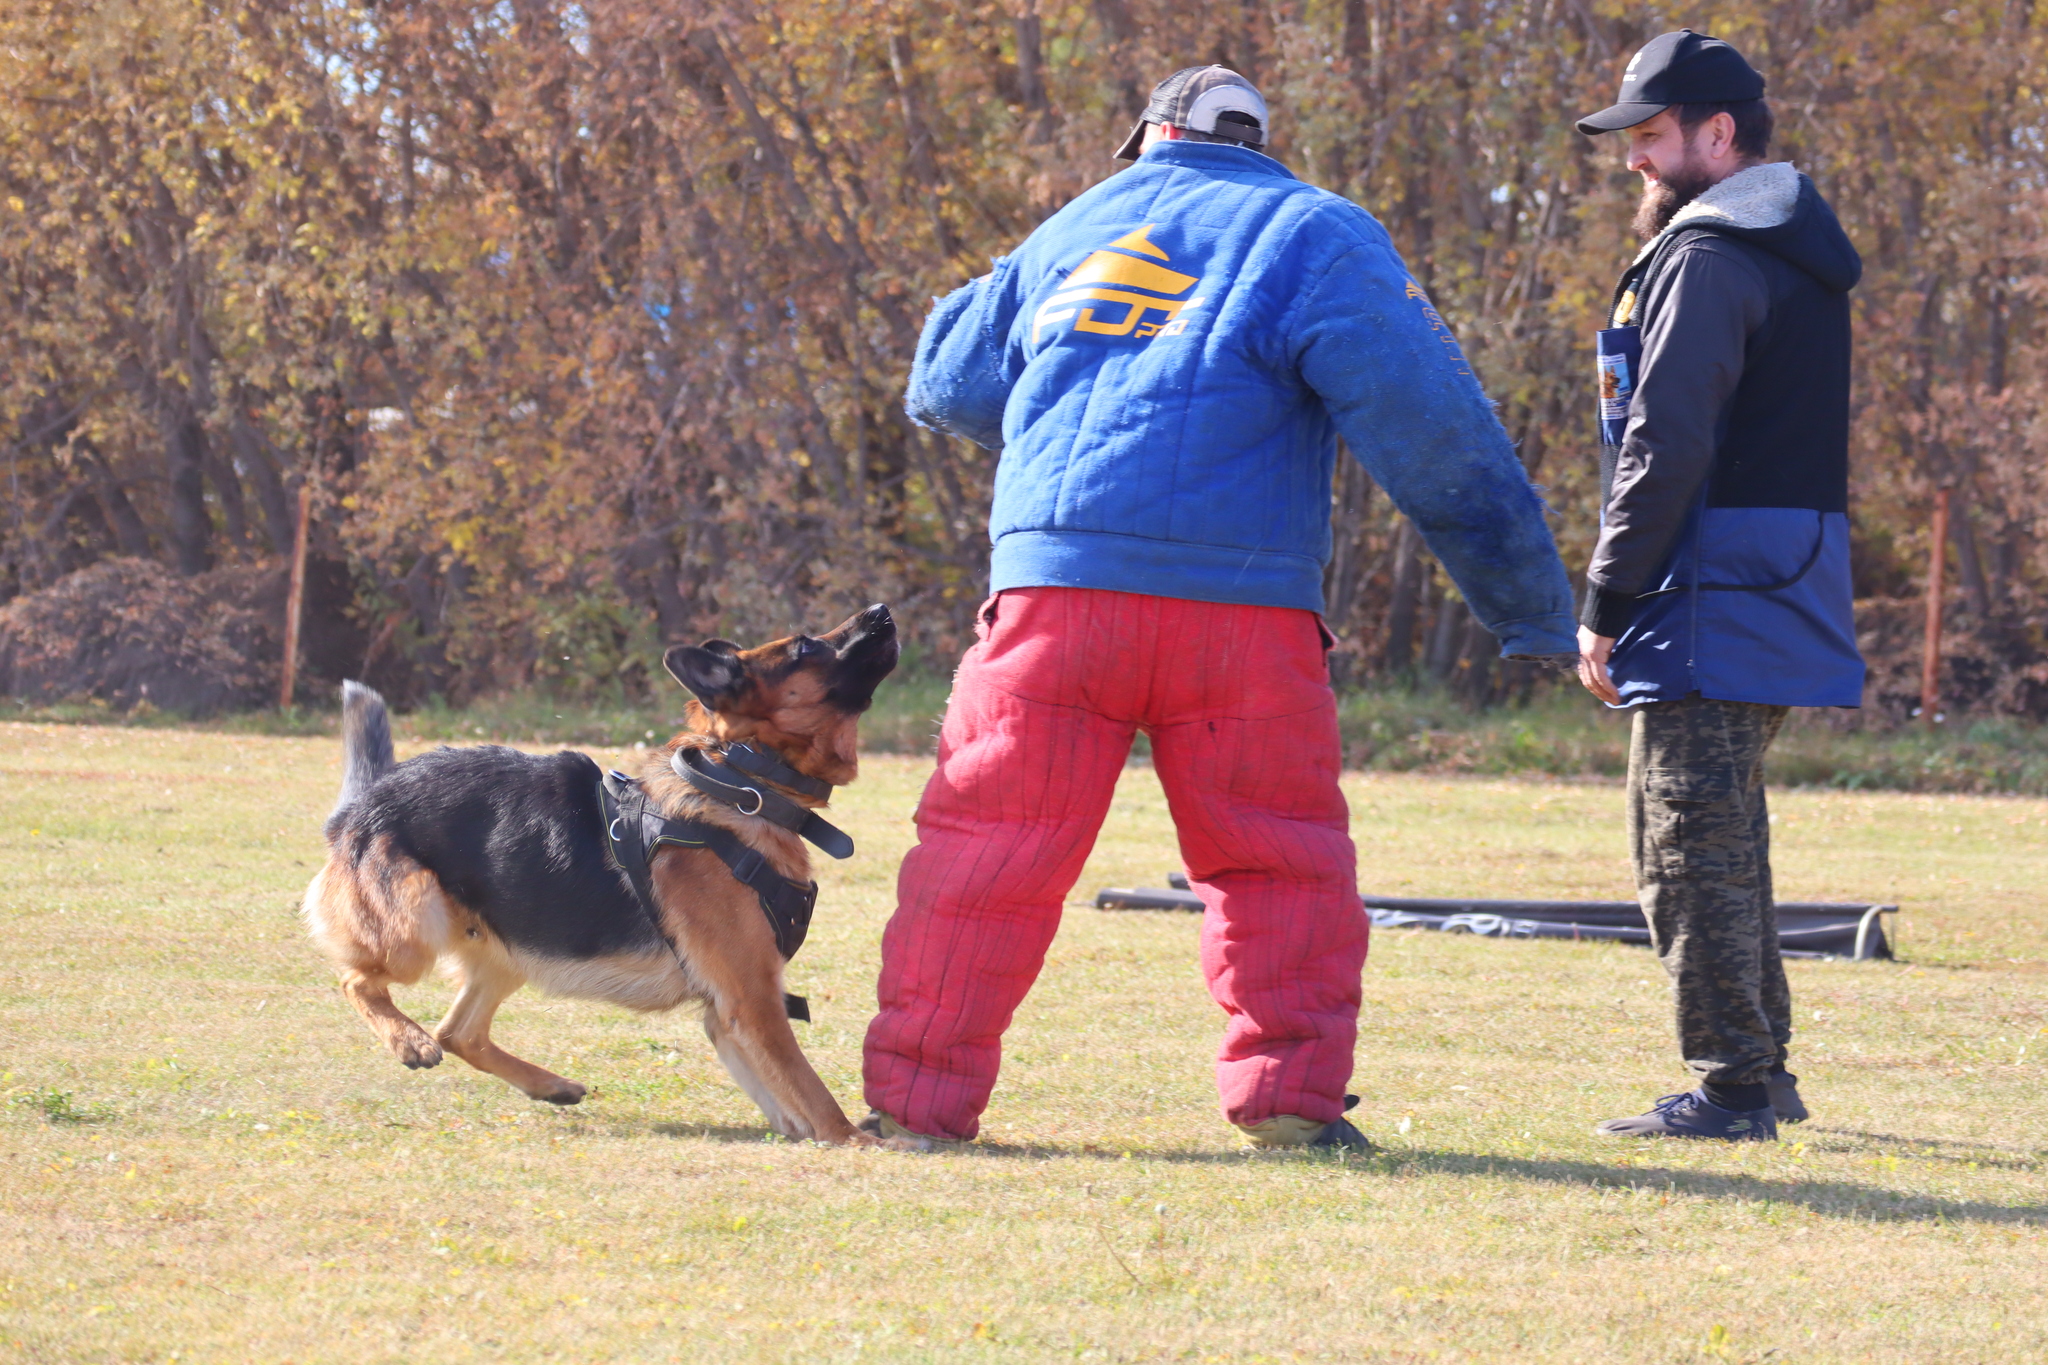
column 634, row 828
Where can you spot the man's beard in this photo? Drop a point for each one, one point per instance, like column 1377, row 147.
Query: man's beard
column 1663, row 198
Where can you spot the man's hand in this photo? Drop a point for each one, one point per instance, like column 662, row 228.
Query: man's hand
column 1594, row 651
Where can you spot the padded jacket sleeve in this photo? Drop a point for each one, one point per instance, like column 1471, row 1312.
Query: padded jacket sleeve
column 1705, row 304
column 1393, row 379
column 965, row 366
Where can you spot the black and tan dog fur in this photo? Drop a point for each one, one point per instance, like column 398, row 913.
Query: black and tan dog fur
column 494, row 864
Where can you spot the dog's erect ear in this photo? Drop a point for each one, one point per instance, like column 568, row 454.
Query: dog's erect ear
column 712, row 670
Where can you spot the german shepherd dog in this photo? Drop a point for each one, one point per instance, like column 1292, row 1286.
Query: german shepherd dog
column 497, row 865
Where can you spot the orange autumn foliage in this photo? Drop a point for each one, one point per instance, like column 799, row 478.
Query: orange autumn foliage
column 590, row 321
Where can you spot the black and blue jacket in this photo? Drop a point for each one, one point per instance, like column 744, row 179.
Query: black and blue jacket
column 1723, row 561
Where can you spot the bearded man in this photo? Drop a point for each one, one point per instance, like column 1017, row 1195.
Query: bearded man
column 1718, row 596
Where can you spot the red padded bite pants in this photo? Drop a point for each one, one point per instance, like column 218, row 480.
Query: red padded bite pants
column 1244, row 738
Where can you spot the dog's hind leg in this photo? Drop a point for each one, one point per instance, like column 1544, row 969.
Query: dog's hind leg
column 382, row 925
column 488, row 976
column 371, row 995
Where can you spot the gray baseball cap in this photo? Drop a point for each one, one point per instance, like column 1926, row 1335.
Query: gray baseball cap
column 1207, row 99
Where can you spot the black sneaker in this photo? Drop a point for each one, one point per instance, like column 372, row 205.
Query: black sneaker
column 1784, row 1091
column 1693, row 1115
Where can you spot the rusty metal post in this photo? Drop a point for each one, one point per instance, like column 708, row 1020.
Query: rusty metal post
column 294, row 600
column 1930, row 664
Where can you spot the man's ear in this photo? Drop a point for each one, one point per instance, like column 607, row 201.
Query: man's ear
column 712, row 671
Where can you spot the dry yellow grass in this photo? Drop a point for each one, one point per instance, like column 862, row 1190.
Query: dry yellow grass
column 239, row 1174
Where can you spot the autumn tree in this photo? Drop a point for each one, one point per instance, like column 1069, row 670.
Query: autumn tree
column 588, row 323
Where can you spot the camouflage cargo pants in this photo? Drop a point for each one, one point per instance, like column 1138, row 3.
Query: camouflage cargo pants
column 1700, row 837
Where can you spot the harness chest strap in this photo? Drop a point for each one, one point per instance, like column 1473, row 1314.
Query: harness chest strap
column 634, row 829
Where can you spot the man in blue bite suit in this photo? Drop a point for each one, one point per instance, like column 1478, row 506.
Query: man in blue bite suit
column 1719, row 596
column 1166, row 365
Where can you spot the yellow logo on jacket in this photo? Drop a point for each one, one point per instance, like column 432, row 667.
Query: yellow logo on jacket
column 1110, row 277
column 1437, row 324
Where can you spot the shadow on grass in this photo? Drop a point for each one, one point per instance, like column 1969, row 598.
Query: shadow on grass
column 714, row 1132
column 1926, row 1149
column 1829, row 1198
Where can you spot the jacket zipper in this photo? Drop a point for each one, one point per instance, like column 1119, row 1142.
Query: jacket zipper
column 1692, row 644
column 1640, row 272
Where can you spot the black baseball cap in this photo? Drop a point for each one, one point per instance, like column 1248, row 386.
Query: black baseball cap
column 1676, row 68
column 1196, row 97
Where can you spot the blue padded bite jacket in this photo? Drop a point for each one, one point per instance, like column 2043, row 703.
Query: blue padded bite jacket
column 1166, row 365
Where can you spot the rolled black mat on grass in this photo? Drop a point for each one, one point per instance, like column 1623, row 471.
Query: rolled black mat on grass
column 1851, row 930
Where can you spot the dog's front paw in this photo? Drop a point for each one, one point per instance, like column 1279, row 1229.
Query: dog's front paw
column 417, row 1051
column 563, row 1092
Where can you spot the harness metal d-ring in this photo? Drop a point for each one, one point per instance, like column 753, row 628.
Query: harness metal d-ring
column 758, row 800
column 612, row 830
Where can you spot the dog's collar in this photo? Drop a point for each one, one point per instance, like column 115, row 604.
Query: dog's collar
column 708, row 775
column 769, row 768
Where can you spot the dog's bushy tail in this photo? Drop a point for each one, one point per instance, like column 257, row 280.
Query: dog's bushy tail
column 365, row 741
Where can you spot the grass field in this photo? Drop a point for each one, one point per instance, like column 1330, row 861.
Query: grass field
column 204, row 1157
column 1386, row 728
